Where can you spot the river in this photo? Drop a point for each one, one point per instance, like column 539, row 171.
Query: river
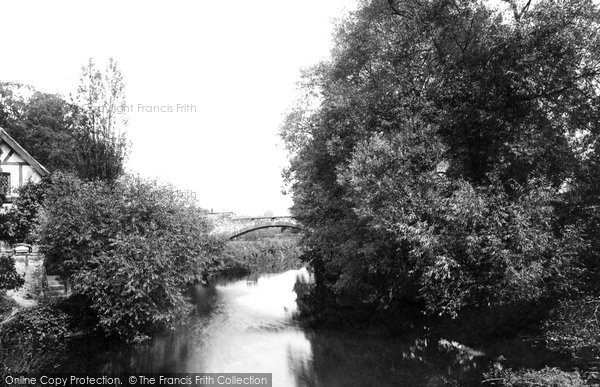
column 248, row 325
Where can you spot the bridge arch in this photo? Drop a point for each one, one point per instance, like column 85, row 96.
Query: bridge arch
column 254, row 227
column 230, row 226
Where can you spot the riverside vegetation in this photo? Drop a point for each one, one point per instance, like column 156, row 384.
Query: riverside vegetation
column 128, row 247
column 263, row 251
column 130, row 250
column 446, row 161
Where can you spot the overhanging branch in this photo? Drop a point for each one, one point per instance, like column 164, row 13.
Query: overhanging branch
column 395, row 8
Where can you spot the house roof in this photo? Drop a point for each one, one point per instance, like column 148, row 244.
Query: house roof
column 39, row 168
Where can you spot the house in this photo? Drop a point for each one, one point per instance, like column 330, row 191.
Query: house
column 17, row 167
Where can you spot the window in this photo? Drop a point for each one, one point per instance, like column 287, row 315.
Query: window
column 5, row 184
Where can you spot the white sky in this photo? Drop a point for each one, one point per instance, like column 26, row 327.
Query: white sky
column 237, row 61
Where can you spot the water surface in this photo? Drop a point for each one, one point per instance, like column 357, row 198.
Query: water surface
column 248, row 325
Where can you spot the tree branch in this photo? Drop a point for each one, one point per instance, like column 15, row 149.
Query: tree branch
column 395, row 8
column 524, row 9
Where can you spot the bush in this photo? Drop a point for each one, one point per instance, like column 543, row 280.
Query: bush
column 574, row 327
column 7, row 304
column 131, row 248
column 465, row 245
column 9, row 278
column 18, row 222
column 34, row 340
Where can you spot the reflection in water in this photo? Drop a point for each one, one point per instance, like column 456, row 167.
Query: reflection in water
column 254, row 329
column 248, row 326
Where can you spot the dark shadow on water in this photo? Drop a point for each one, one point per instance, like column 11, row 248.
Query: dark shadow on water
column 310, row 357
column 340, row 359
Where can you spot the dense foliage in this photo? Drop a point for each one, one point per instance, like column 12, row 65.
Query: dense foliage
column 9, row 278
column 574, row 328
column 7, row 304
column 34, row 340
column 40, row 122
column 18, row 221
column 100, row 121
column 85, row 136
column 130, row 247
column 269, row 255
column 447, row 156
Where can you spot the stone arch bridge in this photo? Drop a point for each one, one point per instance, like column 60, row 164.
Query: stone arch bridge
column 232, row 226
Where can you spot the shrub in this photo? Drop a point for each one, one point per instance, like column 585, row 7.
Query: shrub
column 130, row 248
column 34, row 340
column 574, row 327
column 9, row 278
column 7, row 304
column 18, row 222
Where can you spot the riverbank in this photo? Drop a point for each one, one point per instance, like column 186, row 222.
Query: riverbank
column 549, row 349
column 547, row 343
column 253, row 257
column 38, row 338
column 249, row 324
column 58, row 341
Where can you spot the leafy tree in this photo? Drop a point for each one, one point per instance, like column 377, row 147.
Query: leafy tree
column 42, row 123
column 130, row 247
column 85, row 136
column 18, row 222
column 9, row 278
column 11, row 102
column 46, row 131
column 440, row 155
column 100, row 124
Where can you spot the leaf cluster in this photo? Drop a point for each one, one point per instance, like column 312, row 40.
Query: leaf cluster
column 131, row 248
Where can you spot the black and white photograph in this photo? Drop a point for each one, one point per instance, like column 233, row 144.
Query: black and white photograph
column 317, row 193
